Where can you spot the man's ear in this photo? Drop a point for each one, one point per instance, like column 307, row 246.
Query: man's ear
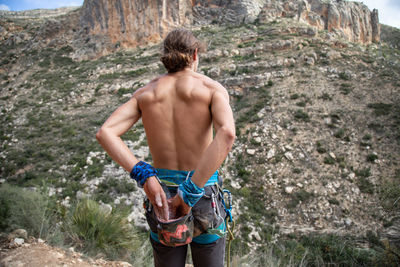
column 195, row 55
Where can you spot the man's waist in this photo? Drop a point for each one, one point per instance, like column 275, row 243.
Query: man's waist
column 176, row 177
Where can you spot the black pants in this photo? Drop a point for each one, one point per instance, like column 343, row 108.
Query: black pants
column 207, row 255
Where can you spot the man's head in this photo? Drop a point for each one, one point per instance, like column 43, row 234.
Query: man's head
column 180, row 50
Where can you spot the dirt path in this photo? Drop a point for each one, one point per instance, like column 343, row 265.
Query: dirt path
column 38, row 254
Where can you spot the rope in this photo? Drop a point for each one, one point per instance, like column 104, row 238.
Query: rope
column 230, row 239
column 228, row 219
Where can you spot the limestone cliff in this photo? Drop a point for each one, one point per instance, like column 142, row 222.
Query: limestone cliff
column 133, row 22
column 351, row 20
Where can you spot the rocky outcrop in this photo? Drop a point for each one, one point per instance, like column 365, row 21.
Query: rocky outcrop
column 230, row 11
column 130, row 23
column 352, row 21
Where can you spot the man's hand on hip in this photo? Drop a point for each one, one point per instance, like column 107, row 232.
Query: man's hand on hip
column 157, row 197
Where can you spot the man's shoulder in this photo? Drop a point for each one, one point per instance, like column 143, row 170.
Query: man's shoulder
column 148, row 87
column 210, row 83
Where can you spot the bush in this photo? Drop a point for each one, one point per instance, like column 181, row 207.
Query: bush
column 346, row 88
column 390, row 196
column 372, row 157
column 96, row 230
column 363, row 172
column 340, row 133
column 344, row 76
column 329, row 160
column 380, row 108
column 32, row 211
column 301, row 195
column 333, row 250
column 321, row 147
column 301, row 115
column 365, row 185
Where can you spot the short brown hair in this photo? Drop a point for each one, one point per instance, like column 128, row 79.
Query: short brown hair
column 178, row 49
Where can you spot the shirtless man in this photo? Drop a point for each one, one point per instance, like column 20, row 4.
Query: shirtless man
column 179, row 111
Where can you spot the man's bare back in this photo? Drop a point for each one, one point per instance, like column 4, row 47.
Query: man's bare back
column 179, row 111
column 189, row 126
column 177, row 117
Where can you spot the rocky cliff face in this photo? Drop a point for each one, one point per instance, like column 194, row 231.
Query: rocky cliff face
column 130, row 23
column 353, row 21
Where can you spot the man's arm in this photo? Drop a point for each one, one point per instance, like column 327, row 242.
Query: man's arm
column 109, row 137
column 219, row 148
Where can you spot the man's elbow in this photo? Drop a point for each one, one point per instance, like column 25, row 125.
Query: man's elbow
column 100, row 135
column 229, row 136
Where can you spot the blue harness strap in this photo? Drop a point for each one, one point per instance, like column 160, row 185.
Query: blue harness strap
column 176, row 177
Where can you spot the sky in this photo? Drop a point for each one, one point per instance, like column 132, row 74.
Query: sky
column 17, row 5
column 389, row 10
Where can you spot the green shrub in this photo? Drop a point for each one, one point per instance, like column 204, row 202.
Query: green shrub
column 334, row 250
column 344, row 76
column 380, row 108
column 390, row 195
column 32, row 211
column 367, row 137
column 363, row 172
column 97, row 230
column 340, row 133
column 321, row 147
column 297, row 170
column 372, row 157
column 367, row 59
column 329, row 160
column 397, row 174
column 62, row 61
column 345, row 88
column 334, row 201
column 301, row 195
column 365, row 185
column 326, row 96
column 301, row 104
column 301, row 115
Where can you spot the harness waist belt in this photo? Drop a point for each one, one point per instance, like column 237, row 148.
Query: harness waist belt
column 175, row 178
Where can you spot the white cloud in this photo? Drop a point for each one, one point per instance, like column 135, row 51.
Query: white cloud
column 4, row 7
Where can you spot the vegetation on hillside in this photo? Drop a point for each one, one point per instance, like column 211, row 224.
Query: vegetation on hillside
column 318, row 124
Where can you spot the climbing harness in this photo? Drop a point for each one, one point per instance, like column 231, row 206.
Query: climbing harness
column 182, row 230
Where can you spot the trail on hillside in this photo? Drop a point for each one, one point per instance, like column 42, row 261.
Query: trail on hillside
column 36, row 253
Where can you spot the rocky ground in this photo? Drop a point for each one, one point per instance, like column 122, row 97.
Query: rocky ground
column 17, row 250
column 318, row 124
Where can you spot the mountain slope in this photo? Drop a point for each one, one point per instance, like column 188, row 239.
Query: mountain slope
column 318, row 125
